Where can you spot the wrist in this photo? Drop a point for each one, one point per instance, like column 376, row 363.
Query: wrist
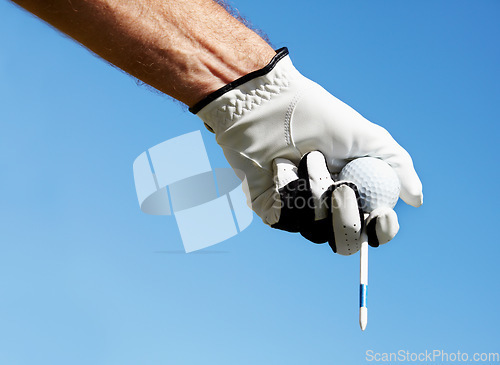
column 211, row 71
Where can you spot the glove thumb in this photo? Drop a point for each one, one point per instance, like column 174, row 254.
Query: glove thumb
column 381, row 226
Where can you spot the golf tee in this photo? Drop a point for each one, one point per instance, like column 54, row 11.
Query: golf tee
column 363, row 281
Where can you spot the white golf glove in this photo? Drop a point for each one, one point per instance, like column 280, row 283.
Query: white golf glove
column 268, row 121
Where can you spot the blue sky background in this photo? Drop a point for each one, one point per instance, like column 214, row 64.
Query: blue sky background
column 87, row 278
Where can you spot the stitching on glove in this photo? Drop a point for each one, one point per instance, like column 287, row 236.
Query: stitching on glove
column 288, row 118
column 243, row 102
column 280, row 54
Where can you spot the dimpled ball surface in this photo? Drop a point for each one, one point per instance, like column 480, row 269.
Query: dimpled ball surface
column 377, row 182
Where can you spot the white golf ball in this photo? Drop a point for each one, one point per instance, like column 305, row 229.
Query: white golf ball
column 377, row 182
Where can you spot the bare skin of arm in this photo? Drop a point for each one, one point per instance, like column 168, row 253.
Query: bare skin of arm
column 184, row 48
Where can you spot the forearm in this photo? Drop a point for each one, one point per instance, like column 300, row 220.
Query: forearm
column 184, row 48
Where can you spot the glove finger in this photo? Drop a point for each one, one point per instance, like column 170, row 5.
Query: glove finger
column 313, row 169
column 286, row 211
column 346, row 218
column 381, row 226
column 411, row 186
column 303, row 195
column 285, row 172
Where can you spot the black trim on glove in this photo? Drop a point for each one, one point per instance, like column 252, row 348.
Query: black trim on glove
column 280, row 54
column 372, row 233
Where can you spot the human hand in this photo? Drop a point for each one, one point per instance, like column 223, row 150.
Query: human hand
column 267, row 121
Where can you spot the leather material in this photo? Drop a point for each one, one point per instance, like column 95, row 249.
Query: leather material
column 283, row 115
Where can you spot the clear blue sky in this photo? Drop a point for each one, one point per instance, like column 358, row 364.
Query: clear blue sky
column 87, row 278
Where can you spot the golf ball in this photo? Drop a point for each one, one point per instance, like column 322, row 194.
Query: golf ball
column 377, row 182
